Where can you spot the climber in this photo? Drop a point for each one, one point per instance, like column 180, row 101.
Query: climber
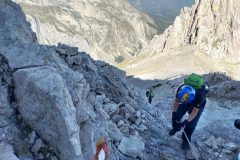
column 237, row 123
column 189, row 97
column 150, row 95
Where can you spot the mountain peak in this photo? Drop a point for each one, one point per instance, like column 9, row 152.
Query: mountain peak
column 210, row 25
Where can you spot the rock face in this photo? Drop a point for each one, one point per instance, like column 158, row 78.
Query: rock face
column 15, row 27
column 109, row 30
column 46, row 111
column 210, row 26
column 6, row 152
column 57, row 102
column 222, row 86
column 132, row 147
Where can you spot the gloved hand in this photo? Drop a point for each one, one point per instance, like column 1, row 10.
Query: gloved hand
column 184, row 123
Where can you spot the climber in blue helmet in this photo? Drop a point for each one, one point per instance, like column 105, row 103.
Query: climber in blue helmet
column 187, row 99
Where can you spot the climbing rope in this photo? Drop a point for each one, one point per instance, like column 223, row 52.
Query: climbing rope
column 191, row 145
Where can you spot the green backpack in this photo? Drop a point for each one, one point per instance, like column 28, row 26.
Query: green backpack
column 194, row 80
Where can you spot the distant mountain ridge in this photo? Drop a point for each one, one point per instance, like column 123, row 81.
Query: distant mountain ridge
column 162, row 11
column 211, row 26
column 109, row 30
column 203, row 39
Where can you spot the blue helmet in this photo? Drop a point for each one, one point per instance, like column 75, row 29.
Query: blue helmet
column 186, row 94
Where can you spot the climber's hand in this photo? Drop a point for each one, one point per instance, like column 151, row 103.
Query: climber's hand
column 184, row 123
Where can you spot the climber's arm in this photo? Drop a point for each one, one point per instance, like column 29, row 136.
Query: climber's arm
column 193, row 114
column 175, row 105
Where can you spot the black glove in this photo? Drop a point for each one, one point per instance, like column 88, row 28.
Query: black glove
column 237, row 123
column 184, row 123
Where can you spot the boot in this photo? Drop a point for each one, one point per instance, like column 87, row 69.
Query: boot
column 172, row 132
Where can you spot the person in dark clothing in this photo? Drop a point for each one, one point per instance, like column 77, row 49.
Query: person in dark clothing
column 150, row 95
column 187, row 99
column 237, row 123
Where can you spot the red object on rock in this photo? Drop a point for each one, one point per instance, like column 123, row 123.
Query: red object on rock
column 101, row 146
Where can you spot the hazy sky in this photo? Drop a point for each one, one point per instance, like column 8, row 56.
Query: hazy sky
column 170, row 8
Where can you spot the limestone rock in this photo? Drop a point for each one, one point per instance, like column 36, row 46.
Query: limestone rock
column 4, row 121
column 129, row 109
column 120, row 123
column 222, row 86
column 226, row 151
column 54, row 158
column 124, row 128
column 115, row 133
column 5, row 109
column 226, row 89
column 32, row 137
column 212, row 142
column 116, row 118
column 132, row 146
column 10, row 32
column 48, row 109
column 110, row 108
column 231, row 146
column 6, row 152
column 4, row 102
column 37, row 145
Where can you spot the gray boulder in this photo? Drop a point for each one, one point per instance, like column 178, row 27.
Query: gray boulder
column 132, row 146
column 46, row 105
column 115, row 133
column 110, row 108
column 37, row 145
column 6, row 152
column 17, row 58
column 5, row 110
column 129, row 109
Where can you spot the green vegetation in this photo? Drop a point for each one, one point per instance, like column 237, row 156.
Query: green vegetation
column 119, row 59
column 216, row 43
